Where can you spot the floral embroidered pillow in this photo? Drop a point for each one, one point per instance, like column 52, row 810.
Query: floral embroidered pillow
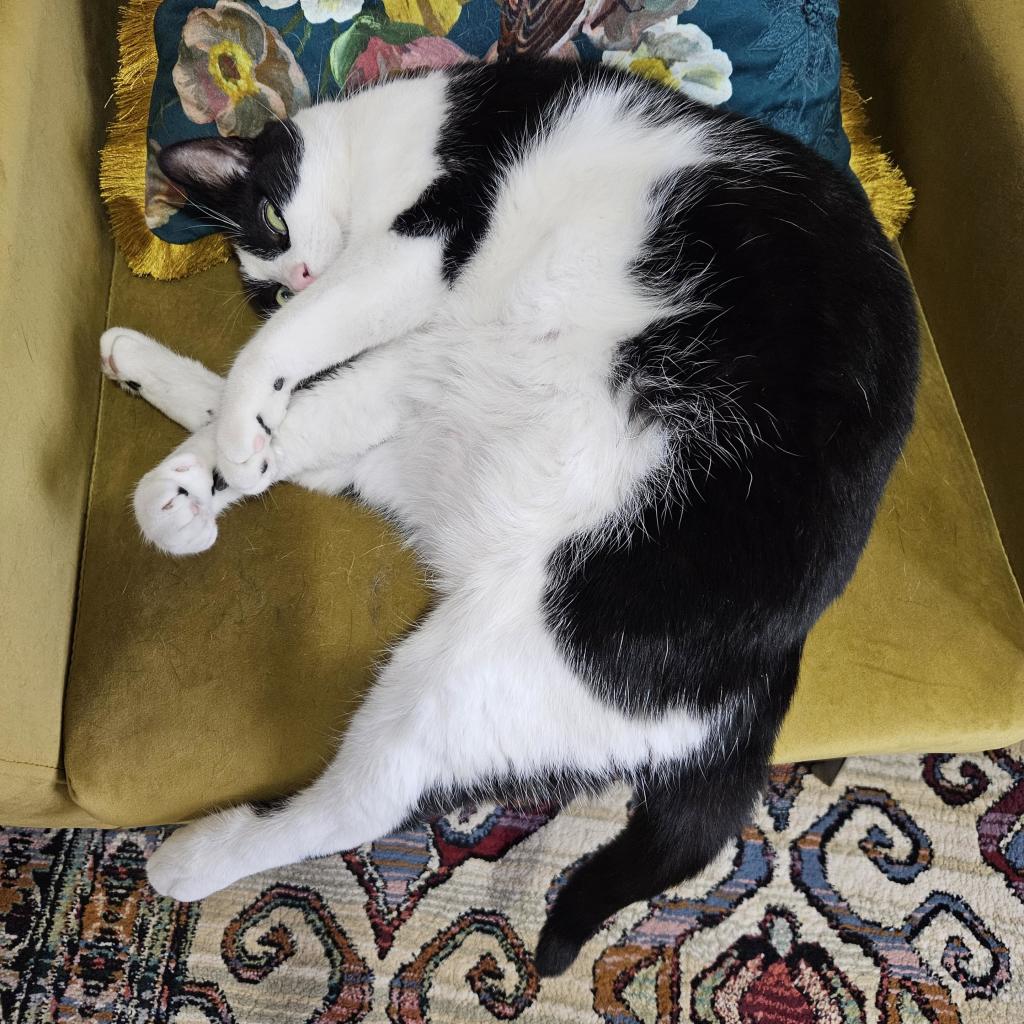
column 228, row 66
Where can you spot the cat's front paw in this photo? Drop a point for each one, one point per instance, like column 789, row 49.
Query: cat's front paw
column 200, row 858
column 245, row 431
column 174, row 505
column 142, row 366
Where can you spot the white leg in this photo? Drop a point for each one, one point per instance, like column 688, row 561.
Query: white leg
column 327, row 427
column 465, row 699
column 181, row 388
column 352, row 309
column 394, row 749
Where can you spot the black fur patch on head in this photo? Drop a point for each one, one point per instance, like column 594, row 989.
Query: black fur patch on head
column 233, row 179
column 263, row 296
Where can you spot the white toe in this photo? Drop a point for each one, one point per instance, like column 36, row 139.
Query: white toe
column 254, row 475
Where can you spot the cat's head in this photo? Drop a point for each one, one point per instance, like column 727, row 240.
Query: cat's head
column 272, row 196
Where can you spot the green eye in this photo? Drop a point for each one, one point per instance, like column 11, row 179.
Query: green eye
column 283, row 295
column 274, row 220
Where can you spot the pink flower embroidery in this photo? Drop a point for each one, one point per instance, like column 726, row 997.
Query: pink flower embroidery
column 381, row 59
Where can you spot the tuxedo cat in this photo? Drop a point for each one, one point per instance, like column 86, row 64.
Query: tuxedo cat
column 629, row 373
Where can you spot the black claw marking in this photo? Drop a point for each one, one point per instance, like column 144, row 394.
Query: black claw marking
column 259, row 420
column 265, row 467
column 209, row 412
column 133, row 384
column 279, row 383
column 181, row 490
column 219, row 483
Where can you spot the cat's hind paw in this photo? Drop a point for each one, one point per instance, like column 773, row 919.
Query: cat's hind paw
column 210, row 854
column 200, row 858
column 174, row 505
column 178, row 386
column 132, row 360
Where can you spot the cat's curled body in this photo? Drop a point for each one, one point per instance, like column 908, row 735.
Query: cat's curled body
column 629, row 373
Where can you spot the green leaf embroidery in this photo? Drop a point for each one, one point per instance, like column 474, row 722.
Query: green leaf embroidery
column 345, row 50
column 347, row 47
column 293, row 24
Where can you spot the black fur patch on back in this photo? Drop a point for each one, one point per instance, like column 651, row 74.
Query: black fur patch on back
column 494, row 112
column 785, row 398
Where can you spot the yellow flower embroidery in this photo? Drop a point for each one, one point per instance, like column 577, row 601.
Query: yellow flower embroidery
column 681, row 57
column 231, row 68
column 655, row 69
column 436, row 16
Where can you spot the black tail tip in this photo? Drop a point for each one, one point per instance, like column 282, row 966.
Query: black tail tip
column 555, row 953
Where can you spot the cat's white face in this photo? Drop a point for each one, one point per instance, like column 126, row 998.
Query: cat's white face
column 282, row 195
column 315, row 213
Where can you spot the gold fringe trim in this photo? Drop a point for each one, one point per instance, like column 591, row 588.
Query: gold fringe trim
column 890, row 195
column 123, row 159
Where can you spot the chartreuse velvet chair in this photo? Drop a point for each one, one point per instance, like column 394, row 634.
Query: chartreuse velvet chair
column 136, row 688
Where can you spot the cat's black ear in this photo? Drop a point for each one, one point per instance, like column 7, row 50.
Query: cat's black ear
column 206, row 166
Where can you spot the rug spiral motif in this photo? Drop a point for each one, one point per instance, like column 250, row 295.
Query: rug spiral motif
column 892, row 897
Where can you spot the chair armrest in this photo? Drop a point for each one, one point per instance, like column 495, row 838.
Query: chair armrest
column 54, row 280
column 945, row 80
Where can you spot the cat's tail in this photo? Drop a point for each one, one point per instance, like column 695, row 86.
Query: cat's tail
column 686, row 812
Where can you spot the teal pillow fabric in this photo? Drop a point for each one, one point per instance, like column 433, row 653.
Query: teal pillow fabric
column 785, row 67
column 229, row 66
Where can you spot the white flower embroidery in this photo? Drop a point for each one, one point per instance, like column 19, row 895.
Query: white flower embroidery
column 317, row 11
column 681, row 56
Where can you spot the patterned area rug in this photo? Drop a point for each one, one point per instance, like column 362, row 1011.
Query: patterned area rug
column 893, row 896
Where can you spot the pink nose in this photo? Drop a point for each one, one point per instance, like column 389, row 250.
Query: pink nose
column 299, row 277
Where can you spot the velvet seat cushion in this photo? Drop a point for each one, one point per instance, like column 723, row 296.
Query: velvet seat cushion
column 203, row 681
